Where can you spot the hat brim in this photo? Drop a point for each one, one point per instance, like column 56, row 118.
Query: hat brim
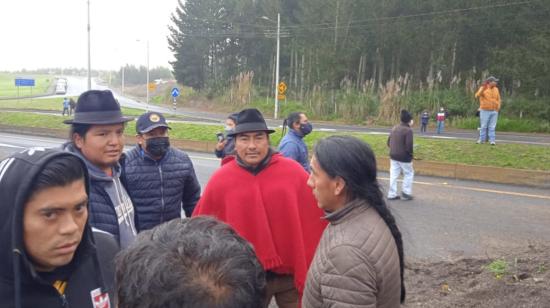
column 242, row 131
column 100, row 122
column 150, row 128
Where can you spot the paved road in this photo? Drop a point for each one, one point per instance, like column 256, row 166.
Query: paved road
column 447, row 219
column 77, row 85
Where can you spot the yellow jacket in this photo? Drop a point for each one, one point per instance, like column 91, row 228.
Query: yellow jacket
column 489, row 98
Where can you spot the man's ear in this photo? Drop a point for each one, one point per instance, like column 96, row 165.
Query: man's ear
column 78, row 141
column 140, row 140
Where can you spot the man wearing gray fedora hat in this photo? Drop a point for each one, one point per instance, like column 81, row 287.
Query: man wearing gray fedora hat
column 97, row 136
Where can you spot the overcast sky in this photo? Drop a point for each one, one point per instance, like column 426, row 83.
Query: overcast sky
column 52, row 33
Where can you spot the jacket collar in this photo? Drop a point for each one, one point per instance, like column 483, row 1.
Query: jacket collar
column 350, row 210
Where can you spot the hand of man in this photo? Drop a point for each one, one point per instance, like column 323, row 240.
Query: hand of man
column 220, row 145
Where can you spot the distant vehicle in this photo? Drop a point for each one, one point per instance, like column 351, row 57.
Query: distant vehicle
column 61, row 86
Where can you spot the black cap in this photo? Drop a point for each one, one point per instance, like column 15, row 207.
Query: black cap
column 97, row 107
column 250, row 120
column 405, row 116
column 149, row 121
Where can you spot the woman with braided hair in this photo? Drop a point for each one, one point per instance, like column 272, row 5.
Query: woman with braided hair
column 359, row 260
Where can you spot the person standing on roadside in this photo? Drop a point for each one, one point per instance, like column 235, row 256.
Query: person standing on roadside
column 49, row 255
column 292, row 145
column 160, row 179
column 264, row 196
column 489, row 106
column 400, row 143
column 424, row 118
column 226, row 145
column 97, row 136
column 441, row 116
column 66, row 107
column 72, row 105
column 359, row 261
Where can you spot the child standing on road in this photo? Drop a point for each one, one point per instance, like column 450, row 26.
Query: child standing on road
column 424, row 121
column 441, row 115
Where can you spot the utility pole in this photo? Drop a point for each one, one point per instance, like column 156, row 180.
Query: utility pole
column 276, row 112
column 123, row 67
column 147, row 101
column 89, row 61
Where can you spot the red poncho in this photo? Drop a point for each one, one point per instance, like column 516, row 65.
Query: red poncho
column 274, row 210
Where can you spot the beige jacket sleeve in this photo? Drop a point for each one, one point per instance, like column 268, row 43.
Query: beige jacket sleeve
column 347, row 279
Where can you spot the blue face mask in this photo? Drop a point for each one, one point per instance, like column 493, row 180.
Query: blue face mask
column 305, row 129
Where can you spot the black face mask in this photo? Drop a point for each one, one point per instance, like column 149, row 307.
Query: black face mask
column 306, row 128
column 157, row 146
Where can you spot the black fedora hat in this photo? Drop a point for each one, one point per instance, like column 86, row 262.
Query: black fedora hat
column 97, row 107
column 250, row 120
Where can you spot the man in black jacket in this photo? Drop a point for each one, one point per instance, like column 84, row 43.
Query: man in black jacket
column 49, row 256
column 160, row 179
column 400, row 142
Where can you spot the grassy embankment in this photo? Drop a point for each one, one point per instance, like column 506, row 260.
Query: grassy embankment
column 8, row 88
column 518, row 156
column 51, row 104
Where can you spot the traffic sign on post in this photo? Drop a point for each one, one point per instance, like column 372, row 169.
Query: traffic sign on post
column 152, row 86
column 175, row 92
column 23, row 82
column 282, row 87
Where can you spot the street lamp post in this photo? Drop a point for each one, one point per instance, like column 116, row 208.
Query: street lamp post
column 147, row 85
column 276, row 112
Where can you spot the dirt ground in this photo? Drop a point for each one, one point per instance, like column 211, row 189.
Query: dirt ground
column 468, row 282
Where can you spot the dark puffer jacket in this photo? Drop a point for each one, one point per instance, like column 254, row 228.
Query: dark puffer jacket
column 160, row 189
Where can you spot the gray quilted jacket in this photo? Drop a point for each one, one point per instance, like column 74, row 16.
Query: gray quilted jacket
column 356, row 263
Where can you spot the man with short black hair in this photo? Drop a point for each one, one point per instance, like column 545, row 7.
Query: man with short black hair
column 292, row 145
column 97, row 136
column 49, row 256
column 400, row 142
column 194, row 262
column 265, row 198
column 160, row 179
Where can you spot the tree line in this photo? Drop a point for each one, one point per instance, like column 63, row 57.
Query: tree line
column 364, row 58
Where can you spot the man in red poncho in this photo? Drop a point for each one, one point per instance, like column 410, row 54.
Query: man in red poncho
column 265, row 198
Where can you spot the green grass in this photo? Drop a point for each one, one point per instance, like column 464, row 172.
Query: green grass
column 507, row 125
column 498, row 268
column 8, row 88
column 519, row 156
column 51, row 104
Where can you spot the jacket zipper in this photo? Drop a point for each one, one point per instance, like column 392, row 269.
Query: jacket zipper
column 161, row 193
column 64, row 302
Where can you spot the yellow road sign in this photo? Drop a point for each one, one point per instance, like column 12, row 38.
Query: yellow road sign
column 152, row 86
column 281, row 97
column 282, row 87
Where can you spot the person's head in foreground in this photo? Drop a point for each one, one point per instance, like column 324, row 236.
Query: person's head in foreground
column 194, row 262
column 344, row 177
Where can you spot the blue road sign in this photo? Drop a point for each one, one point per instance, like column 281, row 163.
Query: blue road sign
column 175, row 92
column 22, row 82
